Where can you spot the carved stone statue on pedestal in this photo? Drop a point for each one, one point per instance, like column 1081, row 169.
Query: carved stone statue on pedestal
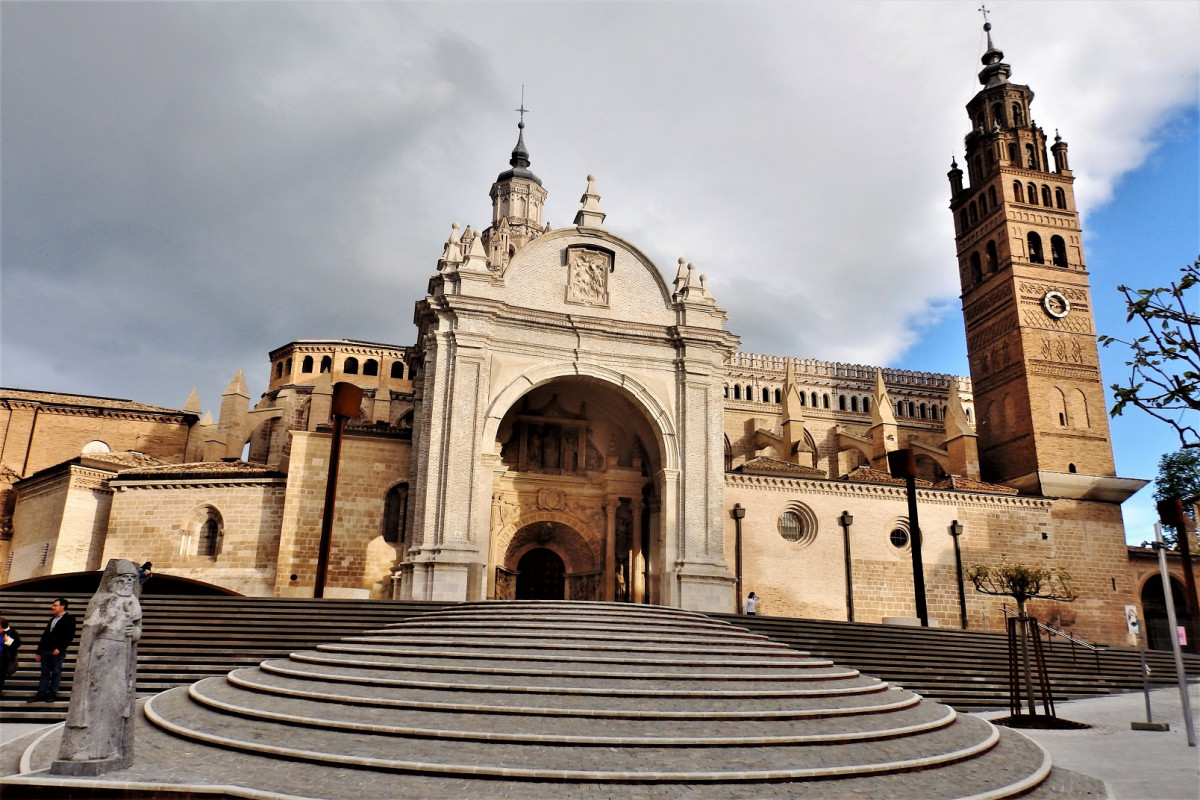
column 98, row 736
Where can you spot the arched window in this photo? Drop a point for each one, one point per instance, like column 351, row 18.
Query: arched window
column 992, row 196
column 1018, row 192
column 824, row 401
column 766, row 395
column 974, row 212
column 998, row 113
column 803, row 398
column 1058, row 251
column 1059, row 401
column 841, row 402
column 899, row 408
column 306, row 366
column 326, row 363
column 1060, row 198
column 398, row 372
column 395, row 511
column 350, row 366
column 814, row 399
column 287, row 367
column 779, row 398
column 976, row 269
column 1047, row 200
column 854, row 404
column 371, row 367
column 208, row 543
column 1035, row 248
column 1032, row 194
column 726, row 392
column 749, row 392
column 992, row 260
column 990, row 157
column 977, row 162
column 279, row 369
column 1014, row 153
column 1031, row 161
column 866, row 405
column 737, row 392
column 982, row 205
column 1018, row 114
column 922, row 411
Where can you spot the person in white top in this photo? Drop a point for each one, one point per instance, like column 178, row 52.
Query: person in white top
column 751, row 603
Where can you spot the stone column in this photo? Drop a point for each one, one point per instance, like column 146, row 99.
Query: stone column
column 610, row 548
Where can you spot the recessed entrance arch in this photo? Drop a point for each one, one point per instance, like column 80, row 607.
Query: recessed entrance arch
column 1154, row 606
column 541, row 575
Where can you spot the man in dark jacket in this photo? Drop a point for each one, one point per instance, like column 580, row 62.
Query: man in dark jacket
column 52, row 650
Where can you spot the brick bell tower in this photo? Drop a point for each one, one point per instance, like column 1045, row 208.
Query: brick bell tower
column 1039, row 399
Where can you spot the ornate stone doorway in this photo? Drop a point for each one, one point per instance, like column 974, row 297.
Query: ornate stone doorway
column 541, row 575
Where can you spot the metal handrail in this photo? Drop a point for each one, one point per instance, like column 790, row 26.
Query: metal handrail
column 1074, row 640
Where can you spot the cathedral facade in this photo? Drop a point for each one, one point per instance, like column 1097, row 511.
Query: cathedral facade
column 573, row 422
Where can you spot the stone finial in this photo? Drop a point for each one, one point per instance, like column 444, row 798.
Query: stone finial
column 882, row 412
column 955, row 422
column 98, row 736
column 681, row 274
column 590, row 215
column 206, row 420
column 237, row 387
column 476, row 259
column 193, row 402
column 452, row 254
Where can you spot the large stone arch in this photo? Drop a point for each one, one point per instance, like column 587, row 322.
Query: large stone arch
column 655, row 411
column 578, row 553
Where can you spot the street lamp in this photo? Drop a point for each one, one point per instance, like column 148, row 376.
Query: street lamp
column 347, row 400
column 846, row 520
column 903, row 464
column 956, row 530
column 739, row 514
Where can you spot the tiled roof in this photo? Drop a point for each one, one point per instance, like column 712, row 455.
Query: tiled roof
column 764, row 465
column 128, row 459
column 868, row 475
column 960, row 484
column 204, row 469
column 82, row 401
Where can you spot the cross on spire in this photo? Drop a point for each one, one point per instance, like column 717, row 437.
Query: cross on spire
column 522, row 110
column 984, row 10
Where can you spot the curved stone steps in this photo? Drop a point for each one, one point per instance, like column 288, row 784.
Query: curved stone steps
column 599, row 760
column 618, row 729
column 483, row 697
column 281, row 678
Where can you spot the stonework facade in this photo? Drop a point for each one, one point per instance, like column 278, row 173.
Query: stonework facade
column 572, row 423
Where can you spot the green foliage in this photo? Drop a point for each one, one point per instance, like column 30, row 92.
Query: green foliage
column 1178, row 479
column 1164, row 379
column 1023, row 581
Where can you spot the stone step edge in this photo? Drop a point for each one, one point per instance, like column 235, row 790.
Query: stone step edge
column 599, row 634
column 197, row 695
column 794, row 658
column 574, row 623
column 398, row 664
column 237, row 678
column 501, row 641
column 267, row 666
column 421, row 767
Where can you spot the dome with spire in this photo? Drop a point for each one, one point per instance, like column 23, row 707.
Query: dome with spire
column 519, row 161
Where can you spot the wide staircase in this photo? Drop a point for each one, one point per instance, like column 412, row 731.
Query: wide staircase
column 553, row 699
column 966, row 669
column 189, row 638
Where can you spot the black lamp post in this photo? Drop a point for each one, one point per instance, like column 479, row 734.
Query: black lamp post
column 347, row 399
column 956, row 530
column 903, row 464
column 846, row 520
column 739, row 514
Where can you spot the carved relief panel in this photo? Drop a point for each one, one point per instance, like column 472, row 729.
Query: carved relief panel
column 588, row 269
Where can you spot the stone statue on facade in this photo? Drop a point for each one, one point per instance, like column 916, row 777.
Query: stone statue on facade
column 98, row 736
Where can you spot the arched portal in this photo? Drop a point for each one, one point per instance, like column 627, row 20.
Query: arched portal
column 1154, row 605
column 580, row 472
column 541, row 575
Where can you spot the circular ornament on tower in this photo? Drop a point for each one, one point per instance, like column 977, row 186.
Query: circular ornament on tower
column 1056, row 304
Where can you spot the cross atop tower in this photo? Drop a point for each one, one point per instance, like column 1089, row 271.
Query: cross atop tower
column 984, row 10
column 522, row 110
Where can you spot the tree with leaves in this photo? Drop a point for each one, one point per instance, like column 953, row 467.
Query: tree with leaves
column 1178, row 479
column 1023, row 583
column 1164, row 379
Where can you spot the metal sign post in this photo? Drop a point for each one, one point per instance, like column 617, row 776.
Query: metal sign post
column 1161, row 547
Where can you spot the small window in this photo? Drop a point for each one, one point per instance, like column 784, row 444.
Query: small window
column 395, row 511
column 1018, row 192
column 306, row 366
column 1031, row 160
column 976, row 269
column 899, row 538
column 1032, row 189
column 824, row 401
column 922, row 411
column 766, row 395
column 983, row 206
column 371, row 367
column 737, row 392
column 1046, row 198
column 350, row 366
column 842, row 403
column 998, row 113
column 279, row 369
column 779, row 398
column 1071, row 468
column 992, row 196
column 854, row 404
column 287, row 367
column 1018, row 114
column 798, row 524
column 726, row 392
column 963, row 221
column 900, row 408
column 814, row 399
column 1058, row 251
column 789, row 526
column 326, row 363
column 1060, row 198
column 803, row 398
column 866, row 405
column 398, row 372
column 749, row 392
column 992, row 260
column 1035, row 248
column 973, row 212
column 1014, row 154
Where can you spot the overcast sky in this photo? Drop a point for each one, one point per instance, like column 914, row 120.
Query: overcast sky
column 187, row 186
